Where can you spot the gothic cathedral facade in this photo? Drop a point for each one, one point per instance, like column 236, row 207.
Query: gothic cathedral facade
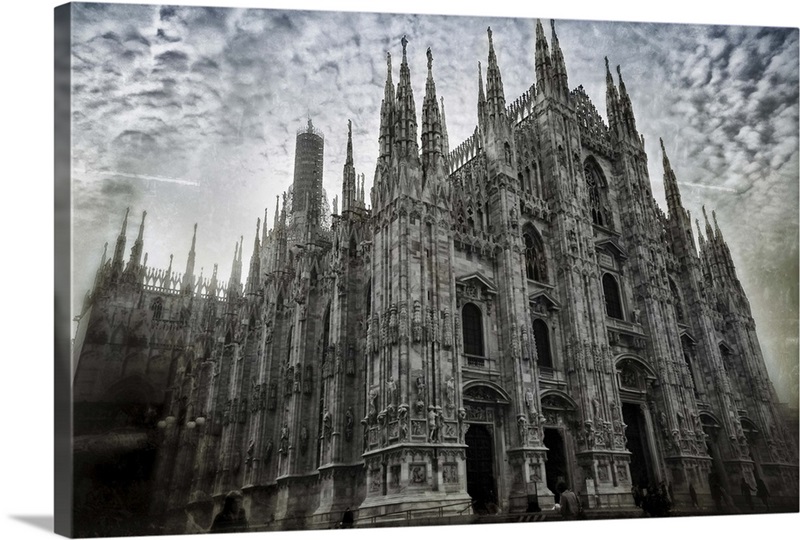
column 502, row 316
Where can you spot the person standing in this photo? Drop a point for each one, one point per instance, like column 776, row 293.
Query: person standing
column 232, row 518
column 762, row 492
column 348, row 519
column 693, row 496
column 747, row 494
column 570, row 506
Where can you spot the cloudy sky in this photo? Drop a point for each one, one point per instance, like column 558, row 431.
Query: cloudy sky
column 191, row 114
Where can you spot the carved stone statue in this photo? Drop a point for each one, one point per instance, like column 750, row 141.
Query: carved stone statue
column 373, row 405
column 284, row 444
column 391, row 391
column 450, row 393
column 327, row 424
column 522, row 427
column 303, row 439
column 530, row 404
column 402, row 420
column 433, row 426
column 268, row 452
column 348, row 424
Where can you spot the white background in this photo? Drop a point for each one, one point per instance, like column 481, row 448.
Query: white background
column 26, row 266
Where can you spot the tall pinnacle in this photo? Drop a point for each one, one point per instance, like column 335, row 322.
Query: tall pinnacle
column 253, row 276
column 386, row 135
column 481, row 98
column 120, row 246
column 542, row 61
column 672, row 192
column 431, row 122
column 626, row 107
column 445, row 138
column 349, row 174
column 495, row 96
column 559, row 67
column 405, row 126
column 188, row 275
column 136, row 249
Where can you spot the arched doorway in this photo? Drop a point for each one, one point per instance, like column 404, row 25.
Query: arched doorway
column 484, row 408
column 556, row 465
column 636, row 433
column 480, row 467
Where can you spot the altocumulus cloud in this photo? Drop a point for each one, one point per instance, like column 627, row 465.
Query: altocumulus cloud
column 214, row 97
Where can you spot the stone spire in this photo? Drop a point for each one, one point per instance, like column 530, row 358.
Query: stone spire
column 431, row 123
column 349, row 192
column 405, row 124
column 254, row 276
column 626, row 107
column 495, row 97
column 386, row 135
column 481, row 99
column 136, row 250
column 119, row 249
column 101, row 268
column 445, row 138
column 543, row 65
column 672, row 192
column 560, row 82
column 235, row 281
column 612, row 104
column 188, row 275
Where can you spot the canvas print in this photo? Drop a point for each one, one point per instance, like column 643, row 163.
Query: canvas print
column 346, row 270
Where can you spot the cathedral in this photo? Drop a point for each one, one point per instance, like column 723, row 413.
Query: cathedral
column 495, row 319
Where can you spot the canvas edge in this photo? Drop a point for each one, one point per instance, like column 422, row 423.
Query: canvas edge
column 62, row 110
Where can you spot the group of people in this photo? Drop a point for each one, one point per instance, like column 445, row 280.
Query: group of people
column 723, row 502
column 655, row 501
column 761, row 492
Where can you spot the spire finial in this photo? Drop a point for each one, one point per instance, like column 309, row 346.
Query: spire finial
column 141, row 225
column 429, row 54
column 404, row 42
column 489, row 31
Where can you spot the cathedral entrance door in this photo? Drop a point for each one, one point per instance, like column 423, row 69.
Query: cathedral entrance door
column 480, row 467
column 556, row 465
column 641, row 461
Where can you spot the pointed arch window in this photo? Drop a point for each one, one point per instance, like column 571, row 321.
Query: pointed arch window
column 613, row 300
column 676, row 299
column 326, row 327
column 289, row 345
column 158, row 308
column 541, row 334
column 535, row 263
column 598, row 196
column 368, row 299
column 472, row 325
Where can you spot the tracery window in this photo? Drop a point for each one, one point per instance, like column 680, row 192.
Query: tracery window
column 157, row 307
column 541, row 334
column 472, row 326
column 596, row 184
column 676, row 299
column 613, row 300
column 535, row 263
